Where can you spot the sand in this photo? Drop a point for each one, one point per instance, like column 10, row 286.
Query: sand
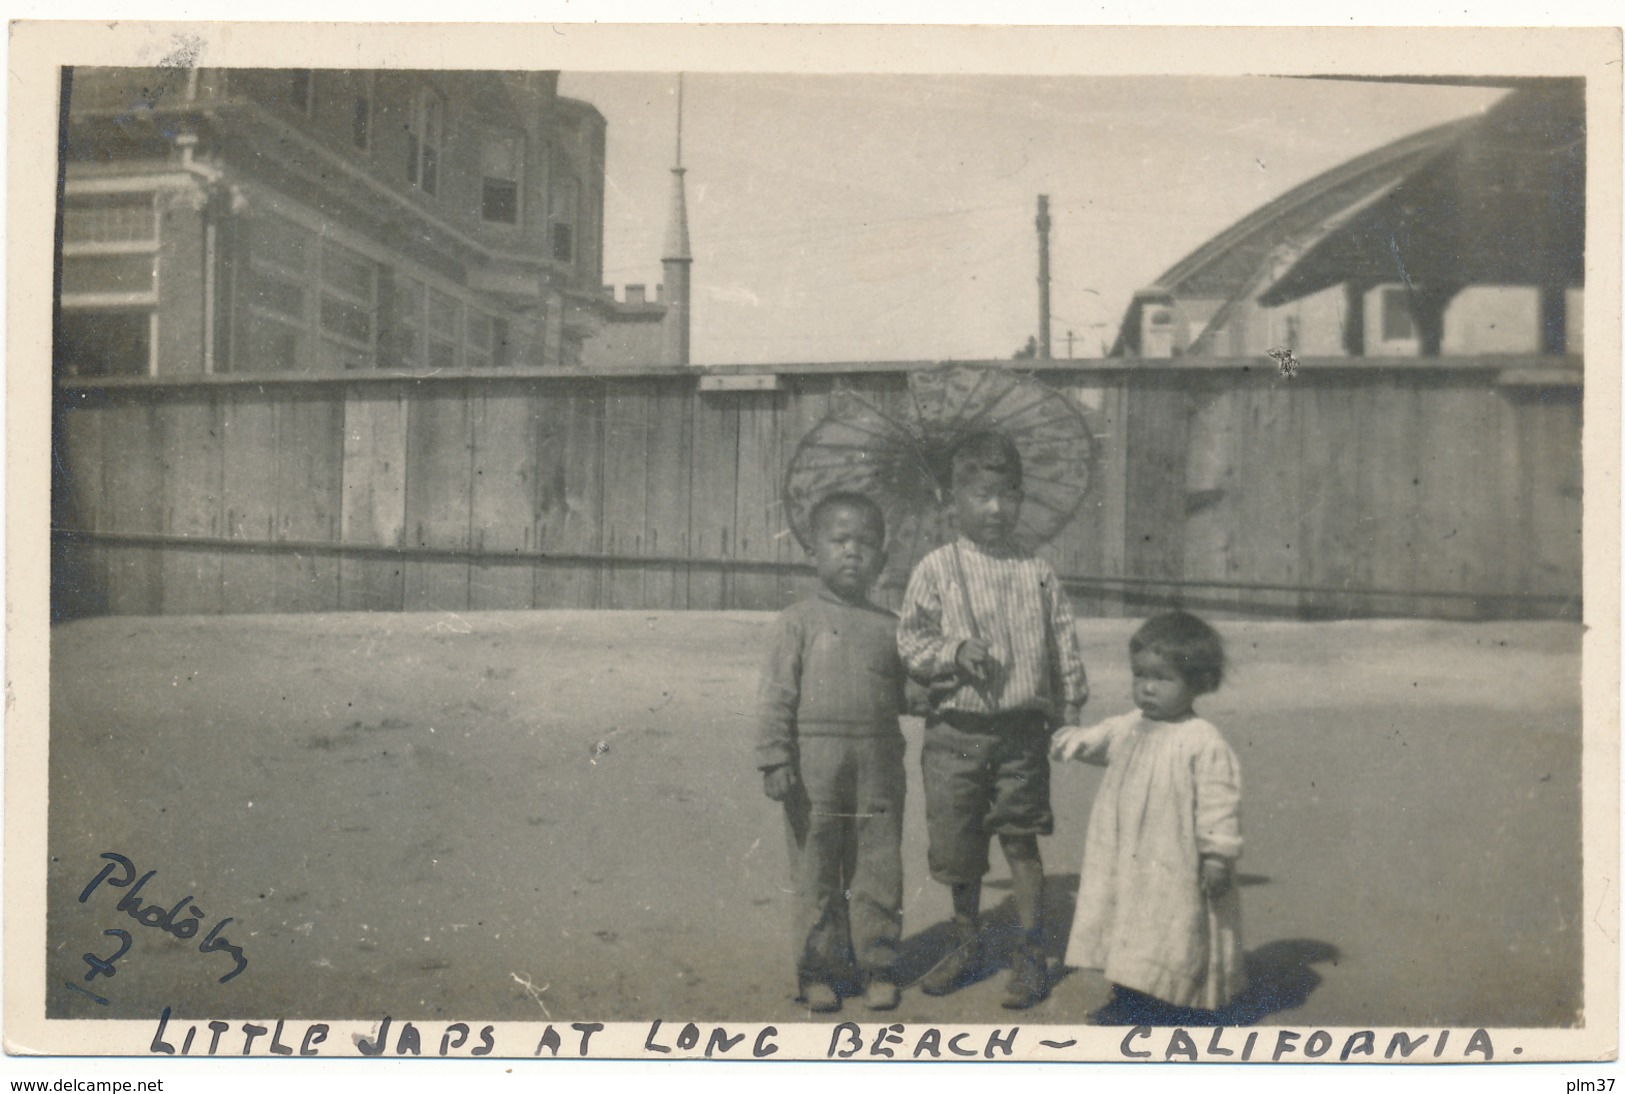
column 555, row 815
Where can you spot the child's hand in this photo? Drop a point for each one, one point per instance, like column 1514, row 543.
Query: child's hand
column 1064, row 745
column 1215, row 875
column 974, row 659
column 780, row 782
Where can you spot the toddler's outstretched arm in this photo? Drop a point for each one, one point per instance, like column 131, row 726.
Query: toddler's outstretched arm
column 1085, row 743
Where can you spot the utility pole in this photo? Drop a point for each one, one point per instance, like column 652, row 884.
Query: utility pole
column 1043, row 277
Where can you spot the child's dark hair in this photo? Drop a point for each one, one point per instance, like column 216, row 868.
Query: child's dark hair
column 1191, row 647
column 847, row 499
column 988, row 451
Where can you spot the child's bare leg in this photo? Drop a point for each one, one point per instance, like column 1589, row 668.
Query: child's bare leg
column 1029, row 977
column 967, row 900
column 959, row 966
column 1026, row 880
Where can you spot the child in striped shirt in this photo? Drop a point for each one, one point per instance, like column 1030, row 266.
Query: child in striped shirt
column 988, row 628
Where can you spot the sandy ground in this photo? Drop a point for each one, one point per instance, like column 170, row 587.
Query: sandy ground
column 555, row 814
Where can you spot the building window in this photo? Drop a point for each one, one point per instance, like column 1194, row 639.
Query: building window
column 281, row 264
column 444, row 330
column 348, row 309
column 409, row 296
column 309, row 303
column 479, row 341
column 106, row 342
column 1397, row 323
column 501, row 168
column 424, row 139
column 430, row 326
column 440, row 331
column 97, row 219
column 109, row 284
column 562, row 218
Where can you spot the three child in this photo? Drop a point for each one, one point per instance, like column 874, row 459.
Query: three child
column 988, row 629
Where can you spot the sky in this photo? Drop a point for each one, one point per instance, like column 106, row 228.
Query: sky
column 891, row 217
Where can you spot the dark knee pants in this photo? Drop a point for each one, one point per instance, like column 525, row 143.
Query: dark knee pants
column 984, row 775
column 846, row 862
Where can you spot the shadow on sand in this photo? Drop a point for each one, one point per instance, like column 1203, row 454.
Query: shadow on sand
column 1000, row 932
column 1280, row 974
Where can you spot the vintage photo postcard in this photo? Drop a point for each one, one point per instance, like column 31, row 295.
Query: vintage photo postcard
column 852, row 544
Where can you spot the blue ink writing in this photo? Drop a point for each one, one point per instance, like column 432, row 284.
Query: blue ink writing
column 168, row 920
column 103, row 966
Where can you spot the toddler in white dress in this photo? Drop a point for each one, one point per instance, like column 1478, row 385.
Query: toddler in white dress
column 1157, row 907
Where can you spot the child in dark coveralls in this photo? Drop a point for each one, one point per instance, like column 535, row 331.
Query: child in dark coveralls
column 831, row 750
column 988, row 627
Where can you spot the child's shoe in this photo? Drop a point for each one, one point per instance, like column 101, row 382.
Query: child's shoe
column 959, row 967
column 821, row 998
column 881, row 994
column 1029, row 977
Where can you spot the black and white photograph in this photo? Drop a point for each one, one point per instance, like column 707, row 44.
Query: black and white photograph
column 812, row 557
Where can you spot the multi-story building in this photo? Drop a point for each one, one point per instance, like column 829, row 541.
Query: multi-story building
column 304, row 220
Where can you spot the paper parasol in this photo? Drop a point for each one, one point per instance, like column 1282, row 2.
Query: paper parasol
column 902, row 457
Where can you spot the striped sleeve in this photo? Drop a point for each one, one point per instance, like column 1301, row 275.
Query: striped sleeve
column 1072, row 682
column 926, row 651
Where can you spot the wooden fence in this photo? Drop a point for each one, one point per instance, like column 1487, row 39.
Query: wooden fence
column 1444, row 488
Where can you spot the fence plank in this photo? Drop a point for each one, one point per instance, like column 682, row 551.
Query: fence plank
column 569, row 508
column 437, row 496
column 133, row 484
column 1389, row 496
column 1549, row 423
column 80, row 580
column 667, row 500
column 373, row 507
column 192, row 472
column 1334, row 447
column 807, row 402
column 758, row 513
column 85, row 427
column 309, row 468
column 714, row 480
column 1111, row 506
column 1212, row 478
column 1458, row 473
column 1076, row 550
column 1269, row 547
column 1154, row 487
column 248, row 491
column 503, row 493
column 626, row 488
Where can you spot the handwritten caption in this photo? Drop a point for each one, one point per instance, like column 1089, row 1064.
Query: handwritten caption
column 168, row 920
column 845, row 1041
